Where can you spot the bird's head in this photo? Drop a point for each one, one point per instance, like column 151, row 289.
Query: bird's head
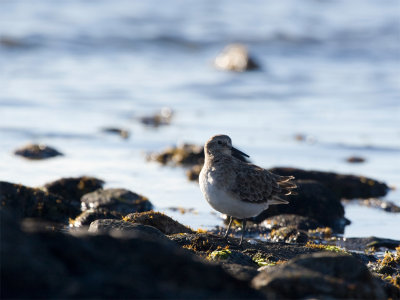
column 222, row 144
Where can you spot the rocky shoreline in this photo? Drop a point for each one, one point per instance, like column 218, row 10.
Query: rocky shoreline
column 73, row 239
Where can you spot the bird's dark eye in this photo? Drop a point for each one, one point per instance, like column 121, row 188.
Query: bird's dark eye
column 219, row 142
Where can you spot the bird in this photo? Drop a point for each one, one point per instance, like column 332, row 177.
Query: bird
column 237, row 188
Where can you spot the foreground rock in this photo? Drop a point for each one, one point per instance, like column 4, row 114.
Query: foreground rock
column 236, row 58
column 73, row 188
column 26, row 202
column 313, row 200
column 319, row 275
column 344, row 186
column 110, row 204
column 35, row 151
column 58, row 265
column 158, row 220
column 116, row 227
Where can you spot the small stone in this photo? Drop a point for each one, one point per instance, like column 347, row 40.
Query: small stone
column 163, row 117
column 123, row 133
column 37, row 151
column 355, row 159
column 236, row 58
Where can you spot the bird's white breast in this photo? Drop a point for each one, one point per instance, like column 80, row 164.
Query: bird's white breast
column 226, row 202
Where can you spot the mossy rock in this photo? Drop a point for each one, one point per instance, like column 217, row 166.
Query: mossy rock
column 27, row 202
column 162, row 222
column 73, row 188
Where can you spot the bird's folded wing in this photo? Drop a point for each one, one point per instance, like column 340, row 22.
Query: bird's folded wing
column 254, row 184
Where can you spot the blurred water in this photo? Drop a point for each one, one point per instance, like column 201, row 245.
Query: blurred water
column 330, row 72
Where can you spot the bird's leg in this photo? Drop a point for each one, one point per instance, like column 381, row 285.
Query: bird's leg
column 229, row 227
column 243, row 230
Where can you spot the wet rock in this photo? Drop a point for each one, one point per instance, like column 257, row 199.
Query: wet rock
column 236, row 58
column 123, row 133
column 119, row 200
column 163, row 117
column 296, row 221
column 313, row 200
column 361, row 244
column 355, row 159
column 289, row 235
column 91, row 215
column 35, row 151
column 322, row 275
column 73, row 188
column 387, row 206
column 26, row 202
column 344, row 186
column 59, row 265
column 158, row 220
column 133, row 229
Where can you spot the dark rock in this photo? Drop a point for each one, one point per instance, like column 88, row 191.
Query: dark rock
column 113, row 226
column 320, row 275
column 59, row 265
column 313, row 200
column 123, row 133
column 91, row 215
column 236, row 58
column 26, row 202
column 34, row 151
column 296, row 221
column 109, row 204
column 158, row 220
column 118, row 200
column 289, row 235
column 344, row 186
column 73, row 188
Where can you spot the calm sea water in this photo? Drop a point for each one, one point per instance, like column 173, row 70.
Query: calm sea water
column 330, row 71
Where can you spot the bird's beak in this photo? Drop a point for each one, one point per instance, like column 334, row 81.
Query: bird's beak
column 236, row 152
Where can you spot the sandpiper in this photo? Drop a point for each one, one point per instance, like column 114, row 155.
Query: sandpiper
column 236, row 188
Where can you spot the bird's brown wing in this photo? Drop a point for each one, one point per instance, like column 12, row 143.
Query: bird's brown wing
column 255, row 184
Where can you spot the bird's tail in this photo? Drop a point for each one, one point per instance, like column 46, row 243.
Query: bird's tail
column 286, row 184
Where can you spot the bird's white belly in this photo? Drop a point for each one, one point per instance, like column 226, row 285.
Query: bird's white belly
column 227, row 203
